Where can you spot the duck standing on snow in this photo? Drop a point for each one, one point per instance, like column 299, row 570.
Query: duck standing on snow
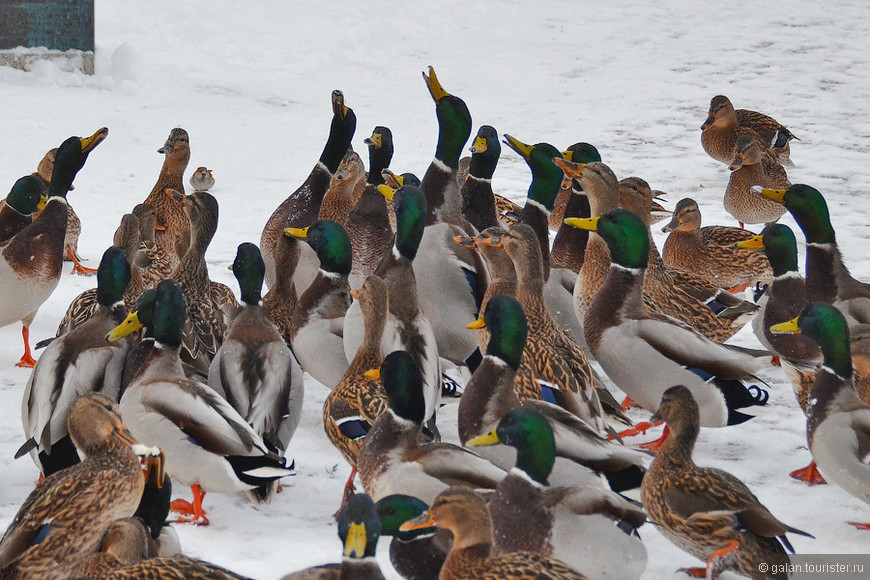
column 725, row 125
column 751, row 168
column 255, row 370
column 300, row 209
column 708, row 512
column 78, row 362
column 170, row 217
column 32, row 260
column 208, row 445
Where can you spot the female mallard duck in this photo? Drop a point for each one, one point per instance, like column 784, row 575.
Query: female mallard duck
column 464, row 513
column 708, row 512
column 838, row 421
column 751, row 168
column 206, row 320
column 27, row 195
column 63, row 520
column 407, row 326
column 254, row 368
column 32, row 260
column 368, row 223
column 317, row 327
column 202, row 179
column 281, row 299
column 359, row 529
column 724, row 125
column 208, row 445
column 828, row 279
column 351, row 409
column 170, row 216
column 574, row 524
column 300, row 209
column 582, row 455
column 153, row 262
column 701, row 309
column 710, row 251
column 643, row 353
column 392, row 458
column 451, row 279
column 79, row 362
column 345, row 188
column 414, row 557
column 571, row 192
column 127, row 554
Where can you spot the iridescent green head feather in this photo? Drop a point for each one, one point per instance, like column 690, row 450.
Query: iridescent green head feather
column 780, row 247
column 330, row 240
column 410, row 206
column 508, row 329
column 249, row 269
column 359, row 527
column 625, row 234
column 113, row 276
column 403, row 384
column 26, row 194
column 810, row 211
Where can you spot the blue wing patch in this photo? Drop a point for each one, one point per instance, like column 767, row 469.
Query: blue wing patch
column 354, row 427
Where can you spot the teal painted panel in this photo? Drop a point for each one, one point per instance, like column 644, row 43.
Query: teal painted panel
column 54, row 24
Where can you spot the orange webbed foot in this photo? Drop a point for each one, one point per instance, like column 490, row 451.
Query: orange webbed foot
column 859, row 525
column 184, row 507
column 627, row 404
column 809, row 475
column 694, row 572
column 27, row 361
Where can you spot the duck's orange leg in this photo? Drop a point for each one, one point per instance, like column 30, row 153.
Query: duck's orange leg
column 739, row 288
column 27, row 361
column 77, row 266
column 809, row 475
column 694, row 572
column 639, row 429
column 715, row 561
column 194, row 509
column 657, row 444
column 859, row 525
column 349, row 491
column 627, row 404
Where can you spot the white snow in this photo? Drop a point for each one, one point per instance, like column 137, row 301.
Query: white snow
column 251, row 83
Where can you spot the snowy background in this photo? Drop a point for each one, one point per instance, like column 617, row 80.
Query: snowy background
column 251, row 83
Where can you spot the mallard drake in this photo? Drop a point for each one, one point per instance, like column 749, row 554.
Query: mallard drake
column 577, row 153
column 710, row 251
column 414, row 558
column 751, row 168
column 828, row 279
column 63, row 520
column 28, row 194
column 78, row 362
column 708, row 512
column 170, row 217
column 359, row 529
column 345, row 188
column 724, row 125
column 574, row 524
column 154, row 507
column 254, row 369
column 368, row 223
column 701, row 308
column 208, row 445
column 206, row 321
column 838, row 421
column 351, row 409
column 478, row 199
column 582, row 455
column 464, row 513
column 281, row 299
column 554, row 357
column 32, row 260
column 316, row 330
column 300, row 209
column 202, row 179
column 451, row 279
column 662, row 351
column 392, row 458
column 407, row 326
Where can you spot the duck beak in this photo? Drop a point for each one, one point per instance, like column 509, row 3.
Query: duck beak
column 776, row 195
column 518, row 146
column 490, row 438
column 423, row 521
column 43, row 199
column 479, row 323
column 176, row 195
column 493, row 242
column 130, row 325
column 590, row 224
column 387, row 191
column 338, row 107
column 156, row 464
column 374, row 374
column 374, row 140
column 790, row 327
column 709, row 122
column 355, row 543
column 393, row 180
column 435, row 88
column 671, row 225
column 656, row 417
column 464, row 241
column 355, row 294
column 754, row 243
column 88, row 143
column 571, row 169
column 737, row 163
column 479, row 145
column 122, row 432
column 300, row 233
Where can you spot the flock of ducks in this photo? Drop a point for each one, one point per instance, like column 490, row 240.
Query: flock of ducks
column 379, row 283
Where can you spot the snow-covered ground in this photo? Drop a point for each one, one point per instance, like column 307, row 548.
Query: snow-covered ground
column 251, row 83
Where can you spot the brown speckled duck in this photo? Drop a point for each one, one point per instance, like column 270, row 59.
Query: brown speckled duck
column 465, row 514
column 710, row 251
column 708, row 512
column 724, row 125
column 170, row 216
column 751, row 168
column 345, row 188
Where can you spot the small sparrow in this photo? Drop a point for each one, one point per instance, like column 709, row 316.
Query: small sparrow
column 202, row 179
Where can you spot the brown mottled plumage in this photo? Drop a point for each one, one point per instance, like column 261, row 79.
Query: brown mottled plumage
column 345, row 188
column 170, row 216
column 749, row 168
column 702, row 509
column 281, row 299
column 724, row 125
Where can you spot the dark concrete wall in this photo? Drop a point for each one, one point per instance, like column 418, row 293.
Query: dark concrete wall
column 55, row 24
